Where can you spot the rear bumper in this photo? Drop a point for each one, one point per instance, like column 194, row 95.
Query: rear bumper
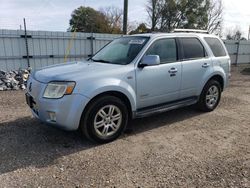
column 66, row 111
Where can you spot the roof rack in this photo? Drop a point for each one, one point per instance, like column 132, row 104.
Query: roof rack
column 190, row 31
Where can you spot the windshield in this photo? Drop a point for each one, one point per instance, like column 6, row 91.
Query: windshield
column 121, row 51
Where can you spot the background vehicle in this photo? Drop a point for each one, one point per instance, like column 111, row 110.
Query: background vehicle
column 132, row 77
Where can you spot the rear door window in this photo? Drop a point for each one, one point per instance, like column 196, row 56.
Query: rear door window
column 165, row 49
column 215, row 46
column 192, row 48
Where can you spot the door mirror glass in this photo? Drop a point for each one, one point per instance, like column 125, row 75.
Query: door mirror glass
column 149, row 60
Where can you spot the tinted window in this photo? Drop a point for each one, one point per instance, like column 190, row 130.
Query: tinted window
column 165, row 48
column 192, row 48
column 216, row 47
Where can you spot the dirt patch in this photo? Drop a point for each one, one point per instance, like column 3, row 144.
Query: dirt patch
column 246, row 71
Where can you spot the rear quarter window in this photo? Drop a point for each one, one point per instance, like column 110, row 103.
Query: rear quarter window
column 215, row 46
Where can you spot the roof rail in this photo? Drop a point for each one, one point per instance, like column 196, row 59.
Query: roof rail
column 190, row 31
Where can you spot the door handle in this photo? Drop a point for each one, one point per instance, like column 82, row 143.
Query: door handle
column 205, row 65
column 173, row 70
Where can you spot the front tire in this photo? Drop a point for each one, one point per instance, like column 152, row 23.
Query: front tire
column 105, row 119
column 210, row 96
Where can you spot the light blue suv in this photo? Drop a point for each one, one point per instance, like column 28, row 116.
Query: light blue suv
column 131, row 77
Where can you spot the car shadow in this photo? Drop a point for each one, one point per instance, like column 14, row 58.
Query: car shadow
column 164, row 119
column 26, row 142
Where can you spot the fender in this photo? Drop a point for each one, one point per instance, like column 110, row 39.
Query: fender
column 94, row 88
column 217, row 71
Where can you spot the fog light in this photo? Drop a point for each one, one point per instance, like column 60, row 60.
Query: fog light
column 52, row 116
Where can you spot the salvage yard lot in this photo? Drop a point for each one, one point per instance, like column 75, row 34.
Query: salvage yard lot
column 174, row 149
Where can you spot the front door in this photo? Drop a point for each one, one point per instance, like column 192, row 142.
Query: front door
column 160, row 83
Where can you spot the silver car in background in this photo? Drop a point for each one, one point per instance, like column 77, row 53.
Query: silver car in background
column 131, row 77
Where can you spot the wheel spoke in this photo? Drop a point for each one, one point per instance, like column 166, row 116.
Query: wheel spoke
column 105, row 131
column 210, row 91
column 113, row 126
column 208, row 97
column 209, row 103
column 215, row 92
column 116, row 117
column 102, row 113
column 99, row 124
column 111, row 110
column 212, row 102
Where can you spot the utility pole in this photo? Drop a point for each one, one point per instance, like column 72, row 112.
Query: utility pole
column 26, row 42
column 125, row 17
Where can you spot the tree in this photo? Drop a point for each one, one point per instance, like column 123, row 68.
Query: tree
column 215, row 17
column 168, row 11
column 166, row 15
column 195, row 14
column 142, row 28
column 162, row 14
column 114, row 18
column 86, row 19
column 153, row 9
column 234, row 34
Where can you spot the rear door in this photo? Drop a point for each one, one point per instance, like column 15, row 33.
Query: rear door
column 195, row 66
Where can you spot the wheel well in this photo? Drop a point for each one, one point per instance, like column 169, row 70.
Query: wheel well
column 219, row 79
column 117, row 94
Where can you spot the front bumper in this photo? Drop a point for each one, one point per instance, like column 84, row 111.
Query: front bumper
column 67, row 111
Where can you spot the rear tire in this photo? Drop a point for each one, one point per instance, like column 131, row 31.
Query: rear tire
column 105, row 119
column 210, row 96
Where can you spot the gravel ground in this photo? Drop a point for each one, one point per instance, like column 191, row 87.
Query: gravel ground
column 180, row 148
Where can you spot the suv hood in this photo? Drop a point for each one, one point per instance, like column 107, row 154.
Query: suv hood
column 72, row 71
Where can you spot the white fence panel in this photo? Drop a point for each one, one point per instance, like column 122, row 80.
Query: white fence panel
column 239, row 51
column 48, row 48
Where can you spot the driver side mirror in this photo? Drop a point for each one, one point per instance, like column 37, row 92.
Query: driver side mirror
column 149, row 60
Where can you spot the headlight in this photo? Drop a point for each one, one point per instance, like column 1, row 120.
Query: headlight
column 56, row 90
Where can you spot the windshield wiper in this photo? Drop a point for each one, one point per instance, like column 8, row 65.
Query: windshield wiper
column 100, row 60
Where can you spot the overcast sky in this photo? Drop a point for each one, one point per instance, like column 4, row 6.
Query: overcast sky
column 54, row 15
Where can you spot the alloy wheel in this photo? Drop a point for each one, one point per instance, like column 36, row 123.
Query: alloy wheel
column 107, row 120
column 212, row 96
